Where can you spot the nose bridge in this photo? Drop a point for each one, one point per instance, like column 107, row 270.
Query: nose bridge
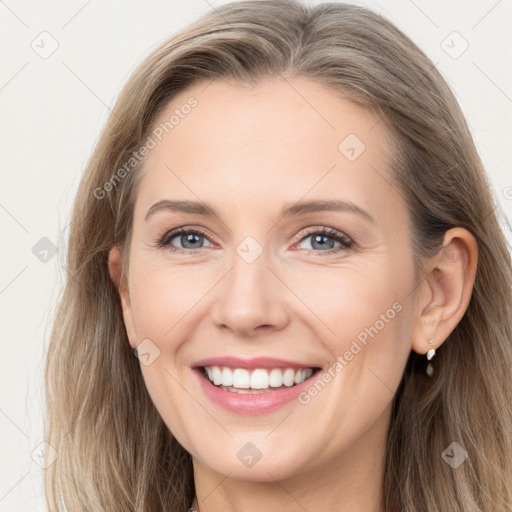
column 250, row 297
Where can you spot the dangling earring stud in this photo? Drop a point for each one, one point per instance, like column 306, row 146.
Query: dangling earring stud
column 430, row 354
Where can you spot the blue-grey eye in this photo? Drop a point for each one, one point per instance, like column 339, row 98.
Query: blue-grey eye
column 184, row 239
column 191, row 240
column 323, row 241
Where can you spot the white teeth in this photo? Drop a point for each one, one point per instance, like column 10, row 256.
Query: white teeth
column 241, row 379
column 227, row 377
column 289, row 377
column 276, row 378
column 217, row 379
column 260, row 378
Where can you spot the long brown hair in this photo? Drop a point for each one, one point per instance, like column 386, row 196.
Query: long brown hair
column 114, row 451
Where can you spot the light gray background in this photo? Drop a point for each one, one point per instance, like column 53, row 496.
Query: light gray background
column 52, row 110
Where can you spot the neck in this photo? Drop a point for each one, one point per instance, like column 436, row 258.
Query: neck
column 350, row 481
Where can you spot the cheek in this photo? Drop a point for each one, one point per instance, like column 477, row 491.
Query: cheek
column 365, row 320
column 163, row 298
column 162, row 303
column 354, row 304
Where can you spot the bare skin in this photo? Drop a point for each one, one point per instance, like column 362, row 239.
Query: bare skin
column 248, row 152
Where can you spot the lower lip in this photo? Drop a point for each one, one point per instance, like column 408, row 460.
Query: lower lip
column 251, row 403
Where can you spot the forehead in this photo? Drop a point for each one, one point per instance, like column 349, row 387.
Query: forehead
column 276, row 141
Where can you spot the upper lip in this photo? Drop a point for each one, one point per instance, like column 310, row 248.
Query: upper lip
column 252, row 363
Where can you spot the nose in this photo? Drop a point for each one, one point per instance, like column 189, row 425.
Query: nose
column 251, row 300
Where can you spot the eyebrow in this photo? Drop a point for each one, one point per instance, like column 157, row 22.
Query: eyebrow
column 289, row 210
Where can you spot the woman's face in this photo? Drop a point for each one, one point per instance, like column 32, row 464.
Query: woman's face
column 296, row 258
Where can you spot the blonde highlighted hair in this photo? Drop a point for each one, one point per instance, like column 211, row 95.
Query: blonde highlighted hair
column 115, row 454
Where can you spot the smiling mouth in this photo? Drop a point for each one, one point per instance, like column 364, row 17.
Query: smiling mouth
column 259, row 380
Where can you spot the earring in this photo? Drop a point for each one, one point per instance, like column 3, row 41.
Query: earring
column 430, row 354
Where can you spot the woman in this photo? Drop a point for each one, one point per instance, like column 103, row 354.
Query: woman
column 288, row 288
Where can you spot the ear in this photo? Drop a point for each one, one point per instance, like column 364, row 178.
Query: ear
column 445, row 293
column 121, row 283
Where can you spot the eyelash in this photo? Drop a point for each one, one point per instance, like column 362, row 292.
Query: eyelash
column 347, row 244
